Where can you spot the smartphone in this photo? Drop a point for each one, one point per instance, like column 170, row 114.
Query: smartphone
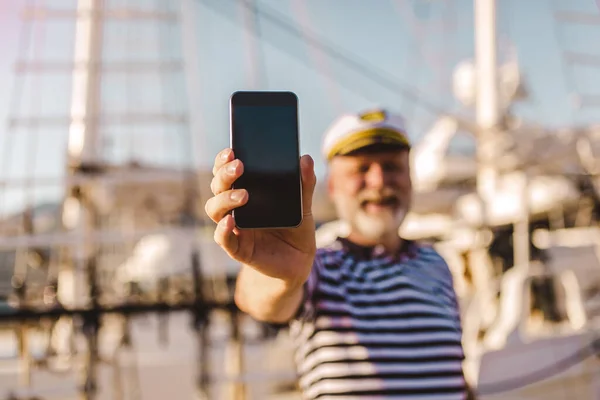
column 264, row 136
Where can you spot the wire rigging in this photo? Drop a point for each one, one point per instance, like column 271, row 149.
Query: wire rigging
column 300, row 8
column 418, row 46
column 15, row 98
column 33, row 142
column 254, row 50
column 567, row 70
column 366, row 70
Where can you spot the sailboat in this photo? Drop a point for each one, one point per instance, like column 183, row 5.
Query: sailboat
column 123, row 269
column 136, row 228
column 518, row 228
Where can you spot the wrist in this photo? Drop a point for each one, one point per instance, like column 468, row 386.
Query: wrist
column 290, row 287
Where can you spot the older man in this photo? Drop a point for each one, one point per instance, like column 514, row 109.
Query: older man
column 374, row 316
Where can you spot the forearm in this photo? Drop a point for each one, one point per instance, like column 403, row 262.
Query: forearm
column 471, row 395
column 265, row 298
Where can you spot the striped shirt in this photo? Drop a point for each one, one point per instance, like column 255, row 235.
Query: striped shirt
column 374, row 326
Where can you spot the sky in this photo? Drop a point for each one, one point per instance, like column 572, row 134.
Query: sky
column 376, row 51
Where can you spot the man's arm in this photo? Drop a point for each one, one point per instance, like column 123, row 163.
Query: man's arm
column 265, row 298
column 471, row 395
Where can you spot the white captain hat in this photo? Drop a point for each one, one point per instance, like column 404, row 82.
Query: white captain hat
column 352, row 132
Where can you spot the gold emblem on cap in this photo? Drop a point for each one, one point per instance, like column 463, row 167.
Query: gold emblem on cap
column 374, row 116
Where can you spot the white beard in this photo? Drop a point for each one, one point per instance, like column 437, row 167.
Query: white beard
column 372, row 227
column 377, row 227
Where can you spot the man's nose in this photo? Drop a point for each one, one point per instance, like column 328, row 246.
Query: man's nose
column 375, row 177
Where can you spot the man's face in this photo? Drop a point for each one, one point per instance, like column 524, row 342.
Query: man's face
column 372, row 191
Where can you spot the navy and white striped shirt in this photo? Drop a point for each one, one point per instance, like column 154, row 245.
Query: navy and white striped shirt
column 374, row 326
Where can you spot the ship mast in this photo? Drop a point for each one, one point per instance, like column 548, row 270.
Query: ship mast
column 489, row 117
column 84, row 158
column 85, row 95
column 486, row 99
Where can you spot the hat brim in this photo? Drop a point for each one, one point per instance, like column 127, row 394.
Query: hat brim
column 382, row 137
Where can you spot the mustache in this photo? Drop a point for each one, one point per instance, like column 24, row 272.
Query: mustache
column 381, row 196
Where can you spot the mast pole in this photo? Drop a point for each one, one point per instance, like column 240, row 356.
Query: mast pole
column 83, row 157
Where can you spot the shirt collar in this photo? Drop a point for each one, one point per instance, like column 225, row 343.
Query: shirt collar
column 408, row 249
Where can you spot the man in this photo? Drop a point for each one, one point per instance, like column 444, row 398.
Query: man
column 374, row 316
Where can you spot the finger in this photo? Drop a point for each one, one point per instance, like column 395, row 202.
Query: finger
column 309, row 180
column 226, row 176
column 224, row 156
column 225, row 237
column 220, row 205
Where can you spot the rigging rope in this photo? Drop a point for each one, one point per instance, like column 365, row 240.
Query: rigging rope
column 449, row 43
column 300, row 8
column 256, row 60
column 163, row 52
column 567, row 70
column 23, row 47
column 33, row 142
column 133, row 134
column 418, row 32
column 366, row 70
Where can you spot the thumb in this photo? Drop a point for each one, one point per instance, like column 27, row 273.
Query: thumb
column 309, row 180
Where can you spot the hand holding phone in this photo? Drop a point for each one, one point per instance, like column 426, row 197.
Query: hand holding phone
column 286, row 253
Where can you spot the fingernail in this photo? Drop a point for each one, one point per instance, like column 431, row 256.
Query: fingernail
column 231, row 169
column 237, row 196
column 225, row 155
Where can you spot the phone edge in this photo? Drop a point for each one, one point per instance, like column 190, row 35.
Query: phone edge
column 299, row 154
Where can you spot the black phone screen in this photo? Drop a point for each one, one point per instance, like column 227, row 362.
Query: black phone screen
column 264, row 136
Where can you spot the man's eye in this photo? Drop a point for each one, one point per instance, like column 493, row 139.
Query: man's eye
column 391, row 167
column 363, row 169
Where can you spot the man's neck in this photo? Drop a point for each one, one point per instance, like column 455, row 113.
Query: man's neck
column 391, row 243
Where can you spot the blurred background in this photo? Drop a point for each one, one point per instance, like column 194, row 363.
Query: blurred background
column 110, row 284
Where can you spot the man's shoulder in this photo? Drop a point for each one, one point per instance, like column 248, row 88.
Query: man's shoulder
column 331, row 246
column 330, row 252
column 428, row 251
column 434, row 260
